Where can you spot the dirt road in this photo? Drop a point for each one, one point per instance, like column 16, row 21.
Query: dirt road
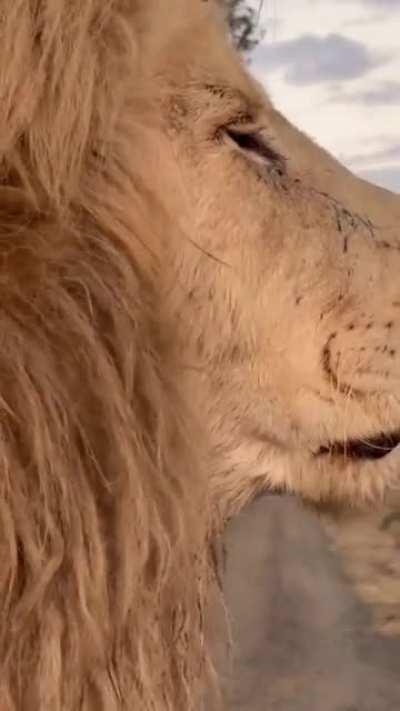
column 302, row 640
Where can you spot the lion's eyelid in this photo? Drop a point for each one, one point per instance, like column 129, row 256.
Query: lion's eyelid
column 252, row 141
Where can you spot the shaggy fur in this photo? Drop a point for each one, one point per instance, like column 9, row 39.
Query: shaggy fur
column 160, row 263
column 100, row 481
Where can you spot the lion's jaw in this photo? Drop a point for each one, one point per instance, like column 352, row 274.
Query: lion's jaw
column 294, row 362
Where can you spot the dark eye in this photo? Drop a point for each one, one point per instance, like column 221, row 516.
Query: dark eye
column 254, row 144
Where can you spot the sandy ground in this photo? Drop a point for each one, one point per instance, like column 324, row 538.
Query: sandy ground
column 302, row 639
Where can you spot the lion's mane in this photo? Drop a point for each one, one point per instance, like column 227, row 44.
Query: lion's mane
column 104, row 520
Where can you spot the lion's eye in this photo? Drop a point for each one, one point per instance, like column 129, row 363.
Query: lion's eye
column 253, row 144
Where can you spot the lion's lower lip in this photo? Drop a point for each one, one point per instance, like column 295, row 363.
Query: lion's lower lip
column 368, row 448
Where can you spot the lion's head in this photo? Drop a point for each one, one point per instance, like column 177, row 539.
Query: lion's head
column 196, row 303
column 285, row 287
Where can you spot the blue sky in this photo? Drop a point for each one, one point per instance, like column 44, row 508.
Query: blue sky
column 333, row 68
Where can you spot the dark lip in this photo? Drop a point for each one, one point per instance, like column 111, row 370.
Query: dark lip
column 369, row 448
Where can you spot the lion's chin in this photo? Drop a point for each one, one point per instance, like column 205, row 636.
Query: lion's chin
column 354, row 474
column 375, row 447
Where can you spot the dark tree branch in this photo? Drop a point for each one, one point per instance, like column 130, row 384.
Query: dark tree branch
column 243, row 23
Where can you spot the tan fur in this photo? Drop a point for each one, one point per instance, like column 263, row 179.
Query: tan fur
column 166, row 306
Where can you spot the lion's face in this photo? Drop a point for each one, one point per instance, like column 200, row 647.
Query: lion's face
column 285, row 283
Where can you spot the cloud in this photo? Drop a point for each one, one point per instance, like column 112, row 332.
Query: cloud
column 374, row 18
column 388, row 178
column 386, row 93
column 390, row 4
column 381, row 157
column 378, row 4
column 310, row 58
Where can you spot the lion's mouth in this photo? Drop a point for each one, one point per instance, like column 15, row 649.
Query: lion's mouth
column 369, row 448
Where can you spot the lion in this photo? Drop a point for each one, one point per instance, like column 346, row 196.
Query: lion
column 197, row 304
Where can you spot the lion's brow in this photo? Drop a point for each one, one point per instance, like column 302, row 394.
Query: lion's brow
column 229, row 93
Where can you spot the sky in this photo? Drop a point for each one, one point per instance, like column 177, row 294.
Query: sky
column 333, row 68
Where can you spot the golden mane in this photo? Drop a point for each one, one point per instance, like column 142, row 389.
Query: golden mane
column 102, row 593
column 159, row 258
